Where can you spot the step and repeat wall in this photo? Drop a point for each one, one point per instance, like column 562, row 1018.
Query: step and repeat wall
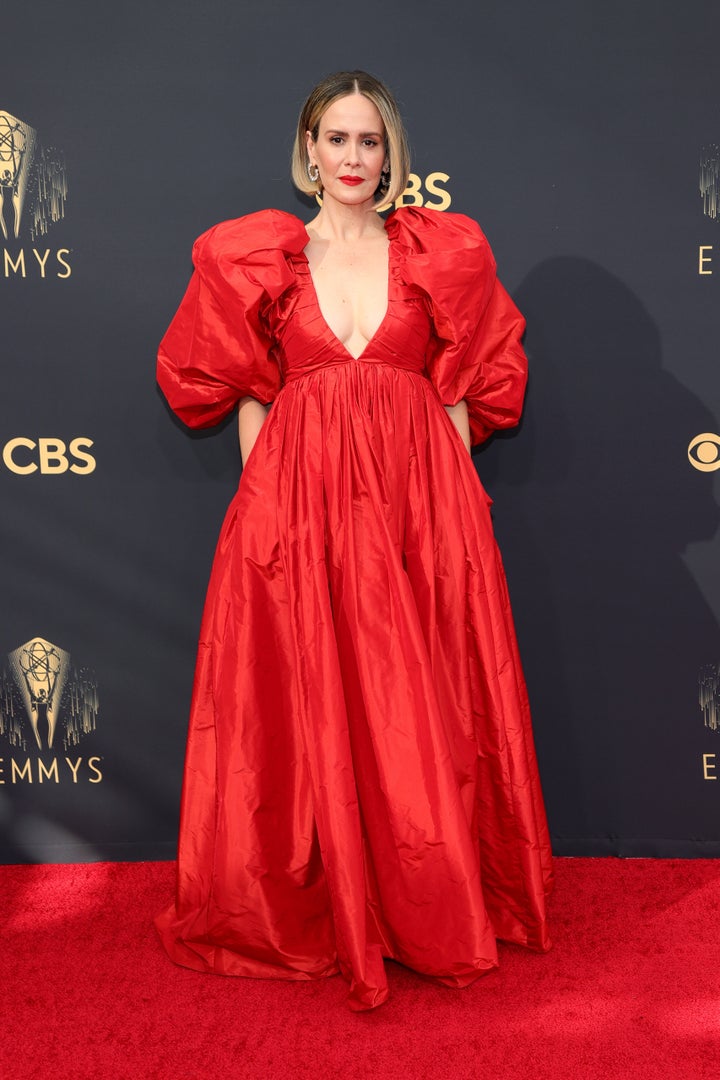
column 585, row 138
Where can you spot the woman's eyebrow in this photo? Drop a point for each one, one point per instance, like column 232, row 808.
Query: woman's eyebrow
column 345, row 134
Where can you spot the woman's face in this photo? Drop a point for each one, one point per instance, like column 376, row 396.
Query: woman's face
column 350, row 150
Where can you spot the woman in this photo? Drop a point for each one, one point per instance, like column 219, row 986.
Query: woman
column 360, row 779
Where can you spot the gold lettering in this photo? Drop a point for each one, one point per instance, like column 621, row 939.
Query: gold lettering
column 8, row 450
column 703, row 258
column 49, row 773
column 14, row 266
column 76, row 449
column 74, row 768
column 709, row 767
column 42, row 261
column 66, row 265
column 93, row 766
column 21, row 774
column 431, row 183
column 53, row 451
column 413, row 191
column 24, row 771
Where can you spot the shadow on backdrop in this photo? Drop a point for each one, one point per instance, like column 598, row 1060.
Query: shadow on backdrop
column 596, row 505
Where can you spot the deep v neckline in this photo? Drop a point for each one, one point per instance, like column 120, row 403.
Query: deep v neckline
column 316, row 300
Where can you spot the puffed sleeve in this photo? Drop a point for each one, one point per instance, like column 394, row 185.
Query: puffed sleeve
column 218, row 348
column 476, row 351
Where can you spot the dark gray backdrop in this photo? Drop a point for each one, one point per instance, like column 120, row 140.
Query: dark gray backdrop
column 573, row 132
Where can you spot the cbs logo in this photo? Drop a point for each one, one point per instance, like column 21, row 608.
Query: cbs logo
column 704, row 452
column 50, row 457
column 416, row 193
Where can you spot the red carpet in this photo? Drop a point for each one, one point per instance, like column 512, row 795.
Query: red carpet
column 631, row 989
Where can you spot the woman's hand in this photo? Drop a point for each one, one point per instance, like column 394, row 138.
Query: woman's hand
column 251, row 417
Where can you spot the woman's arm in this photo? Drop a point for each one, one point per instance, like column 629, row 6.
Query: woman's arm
column 459, row 416
column 251, row 417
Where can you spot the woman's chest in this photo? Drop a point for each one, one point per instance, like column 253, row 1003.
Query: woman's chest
column 302, row 335
column 351, row 287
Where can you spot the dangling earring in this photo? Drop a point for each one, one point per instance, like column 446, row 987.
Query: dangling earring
column 385, row 179
column 314, row 179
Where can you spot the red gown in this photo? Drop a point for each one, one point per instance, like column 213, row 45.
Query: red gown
column 360, row 777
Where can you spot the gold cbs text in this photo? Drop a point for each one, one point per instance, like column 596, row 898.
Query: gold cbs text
column 417, row 191
column 24, row 456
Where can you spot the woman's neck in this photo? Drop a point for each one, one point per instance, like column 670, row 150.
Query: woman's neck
column 339, row 222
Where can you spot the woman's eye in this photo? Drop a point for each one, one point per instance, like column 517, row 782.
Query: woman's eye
column 335, row 139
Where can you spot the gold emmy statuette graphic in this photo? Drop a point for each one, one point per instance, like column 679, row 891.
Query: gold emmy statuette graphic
column 33, row 191
column 40, row 670
column 710, row 180
column 17, row 149
column 709, row 687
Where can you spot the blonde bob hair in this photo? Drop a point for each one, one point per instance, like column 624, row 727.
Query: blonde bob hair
column 338, row 85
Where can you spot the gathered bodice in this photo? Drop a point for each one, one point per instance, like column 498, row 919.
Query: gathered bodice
column 303, row 341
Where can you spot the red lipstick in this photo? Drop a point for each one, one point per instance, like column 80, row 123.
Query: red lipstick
column 352, row 181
